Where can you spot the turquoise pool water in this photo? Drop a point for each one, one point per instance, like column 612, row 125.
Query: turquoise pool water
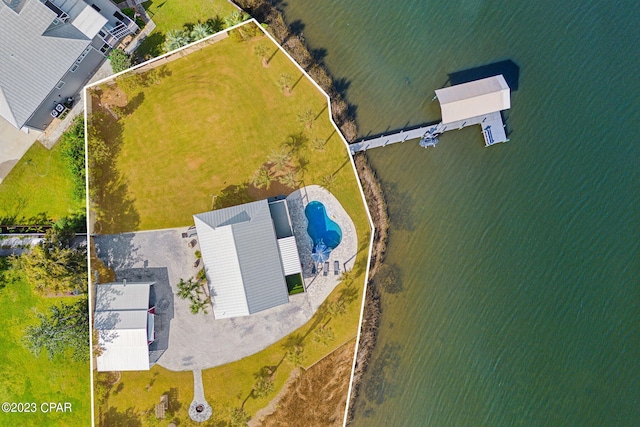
column 321, row 228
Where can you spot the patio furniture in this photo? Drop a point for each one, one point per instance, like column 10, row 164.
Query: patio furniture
column 197, row 263
column 193, row 243
column 336, row 267
column 185, row 235
column 326, row 269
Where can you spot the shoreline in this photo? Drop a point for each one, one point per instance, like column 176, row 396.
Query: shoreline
column 295, row 45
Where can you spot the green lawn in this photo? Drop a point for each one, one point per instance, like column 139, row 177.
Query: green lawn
column 174, row 15
column 40, row 182
column 26, row 378
column 208, row 126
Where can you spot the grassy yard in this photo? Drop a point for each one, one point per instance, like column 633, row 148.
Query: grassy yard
column 40, row 182
column 208, row 125
column 26, row 378
column 204, row 129
column 174, row 15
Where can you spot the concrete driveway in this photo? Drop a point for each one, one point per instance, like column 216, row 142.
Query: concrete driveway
column 13, row 144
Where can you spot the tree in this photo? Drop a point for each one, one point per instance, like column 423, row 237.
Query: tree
column 323, row 334
column 306, row 118
column 53, row 266
column 279, row 158
column 120, row 60
column 238, row 417
column 263, row 387
column 235, row 18
column 72, row 144
column 289, row 179
column 318, row 144
column 261, row 51
column 186, row 287
column 284, row 83
column 175, row 39
column 65, row 327
column 328, row 181
column 200, row 31
column 262, row 178
column 295, row 355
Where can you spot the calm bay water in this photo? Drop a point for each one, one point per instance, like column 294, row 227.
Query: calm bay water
column 520, row 263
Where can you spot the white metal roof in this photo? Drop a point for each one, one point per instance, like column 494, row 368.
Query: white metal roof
column 474, row 99
column 89, row 22
column 289, row 255
column 221, row 262
column 124, row 350
column 123, row 296
column 124, row 326
column 241, row 259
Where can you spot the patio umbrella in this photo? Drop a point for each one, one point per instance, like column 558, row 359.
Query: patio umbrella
column 320, row 253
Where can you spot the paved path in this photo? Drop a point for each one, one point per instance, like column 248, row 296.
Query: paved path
column 199, row 410
column 189, row 341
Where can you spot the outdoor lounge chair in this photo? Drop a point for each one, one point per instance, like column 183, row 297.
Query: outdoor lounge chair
column 197, row 263
column 326, row 269
column 192, row 243
column 336, row 267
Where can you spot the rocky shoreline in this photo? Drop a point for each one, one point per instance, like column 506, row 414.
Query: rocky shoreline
column 267, row 13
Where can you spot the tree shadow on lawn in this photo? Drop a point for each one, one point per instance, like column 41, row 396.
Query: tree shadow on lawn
column 127, row 418
column 114, row 207
column 151, row 46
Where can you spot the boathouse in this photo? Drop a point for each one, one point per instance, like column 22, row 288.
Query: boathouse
column 478, row 102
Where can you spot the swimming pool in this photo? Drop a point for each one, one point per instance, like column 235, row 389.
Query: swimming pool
column 321, row 228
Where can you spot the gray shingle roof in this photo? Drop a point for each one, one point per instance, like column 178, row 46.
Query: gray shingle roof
column 31, row 64
column 257, row 253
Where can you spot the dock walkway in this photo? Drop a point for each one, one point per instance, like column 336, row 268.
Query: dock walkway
column 491, row 124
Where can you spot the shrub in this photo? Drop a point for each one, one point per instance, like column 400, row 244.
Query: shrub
column 120, row 60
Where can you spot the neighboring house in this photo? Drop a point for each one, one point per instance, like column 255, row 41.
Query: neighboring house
column 249, row 254
column 125, row 324
column 48, row 51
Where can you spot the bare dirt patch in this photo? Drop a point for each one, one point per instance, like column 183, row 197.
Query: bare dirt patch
column 315, row 397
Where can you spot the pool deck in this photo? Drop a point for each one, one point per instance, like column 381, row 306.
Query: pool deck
column 317, row 284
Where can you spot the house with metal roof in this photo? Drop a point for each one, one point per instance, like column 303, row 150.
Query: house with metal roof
column 49, row 50
column 250, row 256
column 125, row 324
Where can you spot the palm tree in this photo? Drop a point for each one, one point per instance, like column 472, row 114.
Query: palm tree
column 175, row 39
column 284, row 83
column 289, row 179
column 328, row 181
column 262, row 178
column 200, row 31
column 323, row 334
column 235, row 18
column 307, row 117
column 261, row 51
column 185, row 288
column 318, row 144
column 279, row 158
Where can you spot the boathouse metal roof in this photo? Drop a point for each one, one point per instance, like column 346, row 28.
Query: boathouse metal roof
column 241, row 259
column 473, row 99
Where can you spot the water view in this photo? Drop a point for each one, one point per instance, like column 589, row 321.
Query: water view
column 518, row 301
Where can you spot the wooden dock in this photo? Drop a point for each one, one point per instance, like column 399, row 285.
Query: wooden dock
column 491, row 124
